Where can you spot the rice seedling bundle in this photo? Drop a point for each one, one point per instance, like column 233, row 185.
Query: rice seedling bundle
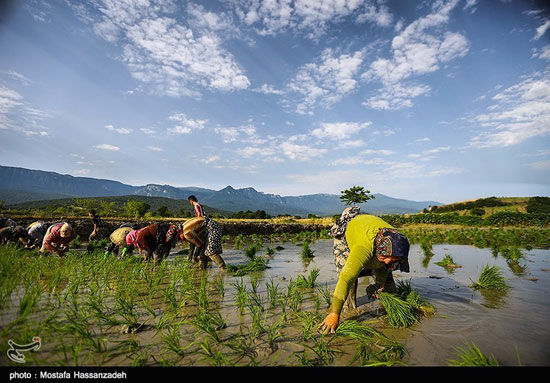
column 490, row 278
column 399, row 312
column 471, row 356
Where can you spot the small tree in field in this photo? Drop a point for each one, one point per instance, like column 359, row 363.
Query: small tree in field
column 136, row 208
column 355, row 195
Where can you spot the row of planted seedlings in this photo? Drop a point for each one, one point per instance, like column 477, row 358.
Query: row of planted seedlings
column 96, row 310
column 530, row 237
column 239, row 241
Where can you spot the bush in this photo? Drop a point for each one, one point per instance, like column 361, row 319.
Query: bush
column 538, row 205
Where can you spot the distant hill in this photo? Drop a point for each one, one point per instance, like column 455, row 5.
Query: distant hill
column 20, row 185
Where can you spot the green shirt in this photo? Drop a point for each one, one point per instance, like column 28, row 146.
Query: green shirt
column 360, row 234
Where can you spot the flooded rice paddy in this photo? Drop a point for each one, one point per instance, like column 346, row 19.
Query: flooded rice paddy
column 99, row 311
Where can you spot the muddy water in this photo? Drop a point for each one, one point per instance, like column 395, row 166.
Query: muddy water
column 506, row 326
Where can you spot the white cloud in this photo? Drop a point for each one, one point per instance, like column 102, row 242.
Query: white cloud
column 418, row 49
column 543, row 53
column 470, row 6
column 108, row 147
column 118, row 130
column 155, row 149
column 521, row 112
column 300, row 152
column 268, row 89
column 210, row 159
column 185, row 125
column 147, row 131
column 327, row 81
column 160, row 51
column 311, row 16
column 424, row 139
column 18, row 116
column 339, row 130
column 541, row 30
column 540, row 165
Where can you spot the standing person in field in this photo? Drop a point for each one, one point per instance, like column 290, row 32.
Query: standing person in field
column 57, row 238
column 197, row 207
column 97, row 224
column 205, row 235
column 374, row 244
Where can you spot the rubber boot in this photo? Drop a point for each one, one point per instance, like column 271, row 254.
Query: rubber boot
column 218, row 261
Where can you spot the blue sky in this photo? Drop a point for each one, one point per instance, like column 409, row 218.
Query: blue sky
column 423, row 100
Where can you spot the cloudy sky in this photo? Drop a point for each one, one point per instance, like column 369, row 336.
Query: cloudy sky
column 423, row 100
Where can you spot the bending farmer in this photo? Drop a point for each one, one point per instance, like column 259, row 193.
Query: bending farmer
column 57, row 238
column 376, row 245
column 205, row 235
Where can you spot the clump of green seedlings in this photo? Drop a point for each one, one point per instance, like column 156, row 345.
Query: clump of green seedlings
column 448, row 262
column 307, row 253
column 255, row 264
column 405, row 306
column 514, row 256
column 95, row 244
column 471, row 356
column 309, row 281
column 490, row 278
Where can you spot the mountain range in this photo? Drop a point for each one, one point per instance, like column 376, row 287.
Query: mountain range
column 18, row 185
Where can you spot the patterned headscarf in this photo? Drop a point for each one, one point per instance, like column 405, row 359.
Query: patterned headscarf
column 339, row 228
column 392, row 248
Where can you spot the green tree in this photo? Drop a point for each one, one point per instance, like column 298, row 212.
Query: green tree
column 163, row 211
column 136, row 208
column 86, row 203
column 355, row 195
column 2, row 205
column 106, row 208
column 477, row 211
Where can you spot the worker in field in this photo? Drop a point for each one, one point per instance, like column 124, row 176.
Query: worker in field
column 118, row 240
column 205, row 235
column 198, row 209
column 156, row 240
column 58, row 238
column 36, row 231
column 341, row 252
column 97, row 225
column 5, row 222
column 374, row 245
column 14, row 234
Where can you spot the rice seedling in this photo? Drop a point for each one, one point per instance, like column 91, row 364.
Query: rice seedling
column 399, row 312
column 274, row 332
column 241, row 296
column 357, row 331
column 307, row 253
column 251, row 251
column 272, row 293
column 205, row 321
column 490, row 278
column 214, row 357
column 242, row 345
column 219, row 285
column 239, row 241
column 309, row 281
column 447, row 262
column 471, row 356
column 308, row 321
column 269, row 251
column 322, row 350
column 325, row 294
column 172, row 339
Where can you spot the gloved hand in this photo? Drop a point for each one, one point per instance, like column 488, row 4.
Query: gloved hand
column 330, row 323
